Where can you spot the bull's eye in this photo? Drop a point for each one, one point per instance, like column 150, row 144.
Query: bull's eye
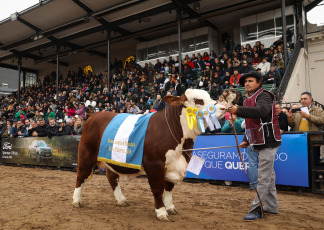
column 199, row 101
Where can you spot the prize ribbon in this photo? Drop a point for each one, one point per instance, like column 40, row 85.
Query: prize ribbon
column 200, row 117
column 212, row 110
column 191, row 117
column 208, row 121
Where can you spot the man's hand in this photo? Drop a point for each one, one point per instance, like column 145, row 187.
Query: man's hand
column 35, row 134
column 232, row 109
column 19, row 133
column 244, row 144
column 304, row 114
column 60, row 129
column 281, row 131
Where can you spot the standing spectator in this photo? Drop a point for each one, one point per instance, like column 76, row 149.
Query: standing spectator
column 282, row 118
column 258, row 113
column 311, row 121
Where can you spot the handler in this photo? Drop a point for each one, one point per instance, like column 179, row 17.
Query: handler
column 263, row 133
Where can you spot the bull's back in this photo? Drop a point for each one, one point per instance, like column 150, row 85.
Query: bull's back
column 92, row 132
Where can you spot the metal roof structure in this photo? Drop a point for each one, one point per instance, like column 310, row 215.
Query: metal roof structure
column 80, row 27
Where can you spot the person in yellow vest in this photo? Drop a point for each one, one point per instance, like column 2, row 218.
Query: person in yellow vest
column 309, row 119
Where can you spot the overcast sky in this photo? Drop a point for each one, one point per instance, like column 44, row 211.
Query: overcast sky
column 315, row 16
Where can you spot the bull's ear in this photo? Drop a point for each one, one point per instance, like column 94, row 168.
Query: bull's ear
column 175, row 100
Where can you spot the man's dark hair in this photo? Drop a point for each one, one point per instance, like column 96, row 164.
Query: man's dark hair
column 307, row 93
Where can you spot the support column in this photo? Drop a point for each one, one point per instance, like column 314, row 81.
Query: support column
column 108, row 59
column 179, row 42
column 284, row 34
column 19, row 72
column 57, row 70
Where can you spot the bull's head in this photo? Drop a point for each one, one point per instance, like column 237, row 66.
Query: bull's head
column 192, row 99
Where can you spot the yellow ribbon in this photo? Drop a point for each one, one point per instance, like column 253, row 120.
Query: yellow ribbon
column 191, row 117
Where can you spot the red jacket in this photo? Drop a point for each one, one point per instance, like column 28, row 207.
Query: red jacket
column 232, row 79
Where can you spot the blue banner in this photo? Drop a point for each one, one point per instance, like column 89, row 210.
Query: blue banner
column 291, row 161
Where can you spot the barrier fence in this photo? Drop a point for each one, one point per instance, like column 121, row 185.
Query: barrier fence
column 294, row 165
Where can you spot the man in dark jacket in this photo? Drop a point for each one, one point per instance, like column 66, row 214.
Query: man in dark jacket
column 263, row 133
column 52, row 129
column 63, row 129
column 41, row 128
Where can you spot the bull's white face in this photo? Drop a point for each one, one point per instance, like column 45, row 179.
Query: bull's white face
column 199, row 99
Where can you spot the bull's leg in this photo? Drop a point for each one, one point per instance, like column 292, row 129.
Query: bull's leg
column 168, row 186
column 156, row 180
column 85, row 167
column 113, row 179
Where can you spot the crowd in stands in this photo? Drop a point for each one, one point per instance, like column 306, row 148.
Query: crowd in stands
column 135, row 89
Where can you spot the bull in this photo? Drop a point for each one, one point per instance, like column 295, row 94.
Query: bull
column 164, row 163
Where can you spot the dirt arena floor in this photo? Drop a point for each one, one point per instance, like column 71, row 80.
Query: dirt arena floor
column 34, row 198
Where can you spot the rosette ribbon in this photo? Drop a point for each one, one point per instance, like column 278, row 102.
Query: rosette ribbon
column 209, row 122
column 191, row 117
column 200, row 119
column 212, row 116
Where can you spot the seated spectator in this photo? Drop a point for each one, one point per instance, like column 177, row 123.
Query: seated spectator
column 49, row 114
column 142, row 106
column 52, row 129
column 27, row 124
column 63, row 128
column 225, row 95
column 20, row 130
column 228, row 126
column 32, row 132
column 231, row 96
column 42, row 128
column 158, row 104
column 245, row 68
column 271, row 77
column 134, row 109
column 71, row 125
column 226, row 79
column 264, row 66
column 215, row 91
column 81, row 111
column 78, row 126
column 20, row 115
column 238, row 99
column 71, row 110
column 235, row 79
column 172, row 91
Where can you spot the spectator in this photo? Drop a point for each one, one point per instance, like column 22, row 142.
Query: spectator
column 134, row 109
column 49, row 114
column 71, row 110
column 282, row 118
column 215, row 91
column 3, row 129
column 231, row 96
column 158, row 104
column 228, row 126
column 81, row 111
column 309, row 119
column 63, row 128
column 41, row 128
column 271, row 77
column 238, row 99
column 264, row 66
column 20, row 115
column 235, row 79
column 245, row 68
column 52, row 129
column 78, row 126
column 20, row 130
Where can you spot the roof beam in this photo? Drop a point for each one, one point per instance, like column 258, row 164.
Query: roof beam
column 83, row 6
column 312, row 5
column 60, row 63
column 31, row 26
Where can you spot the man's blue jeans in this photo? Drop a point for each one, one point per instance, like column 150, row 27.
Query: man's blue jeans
column 253, row 165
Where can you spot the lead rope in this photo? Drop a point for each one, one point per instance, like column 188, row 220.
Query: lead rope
column 239, row 151
column 172, row 133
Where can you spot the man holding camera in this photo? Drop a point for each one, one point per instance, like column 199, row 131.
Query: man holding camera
column 311, row 119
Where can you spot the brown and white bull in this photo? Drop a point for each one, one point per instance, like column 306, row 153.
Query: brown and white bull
column 164, row 162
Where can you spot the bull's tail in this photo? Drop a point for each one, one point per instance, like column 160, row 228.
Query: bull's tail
column 90, row 176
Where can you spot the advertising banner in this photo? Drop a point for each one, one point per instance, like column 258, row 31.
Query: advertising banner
column 55, row 151
column 291, row 161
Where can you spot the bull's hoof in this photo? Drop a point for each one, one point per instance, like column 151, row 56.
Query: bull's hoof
column 172, row 211
column 123, row 203
column 77, row 204
column 164, row 218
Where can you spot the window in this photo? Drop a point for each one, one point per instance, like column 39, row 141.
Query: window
column 188, row 45
column 289, row 24
column 266, row 29
column 141, row 55
column 164, row 50
column 152, row 52
column 173, row 48
column 249, row 33
column 30, row 79
column 202, row 42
